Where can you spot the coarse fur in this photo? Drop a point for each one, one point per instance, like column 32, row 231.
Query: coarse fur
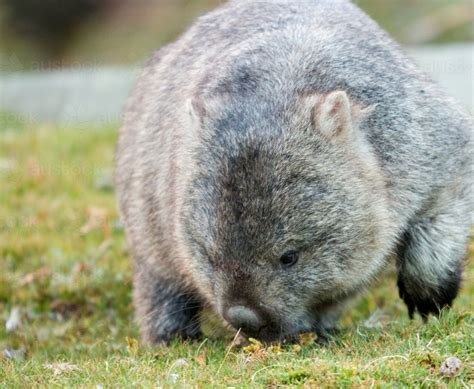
column 289, row 126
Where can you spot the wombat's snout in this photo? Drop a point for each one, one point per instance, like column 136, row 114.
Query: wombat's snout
column 245, row 318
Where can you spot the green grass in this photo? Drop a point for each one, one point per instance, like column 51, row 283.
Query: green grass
column 64, row 263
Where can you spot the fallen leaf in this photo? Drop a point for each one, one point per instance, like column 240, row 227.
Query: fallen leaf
column 451, row 367
column 297, row 348
column 274, row 348
column 254, row 346
column 60, row 367
column 257, row 351
column 307, row 339
column 202, row 358
column 132, row 345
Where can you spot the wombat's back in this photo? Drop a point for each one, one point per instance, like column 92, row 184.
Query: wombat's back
column 275, row 50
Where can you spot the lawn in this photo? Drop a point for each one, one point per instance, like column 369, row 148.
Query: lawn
column 65, row 275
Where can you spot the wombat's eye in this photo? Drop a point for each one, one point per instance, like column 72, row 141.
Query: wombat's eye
column 289, row 258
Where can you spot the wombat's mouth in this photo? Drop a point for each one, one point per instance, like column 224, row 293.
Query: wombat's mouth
column 263, row 324
column 276, row 333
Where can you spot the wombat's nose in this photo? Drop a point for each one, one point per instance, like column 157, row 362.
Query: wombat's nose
column 244, row 318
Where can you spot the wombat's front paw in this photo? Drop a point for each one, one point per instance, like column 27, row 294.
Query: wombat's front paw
column 424, row 301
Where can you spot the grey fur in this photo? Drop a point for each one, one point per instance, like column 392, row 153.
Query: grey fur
column 289, row 125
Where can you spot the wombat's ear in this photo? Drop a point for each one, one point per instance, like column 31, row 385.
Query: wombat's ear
column 335, row 116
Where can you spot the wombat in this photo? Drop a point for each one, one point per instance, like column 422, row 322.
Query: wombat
column 275, row 159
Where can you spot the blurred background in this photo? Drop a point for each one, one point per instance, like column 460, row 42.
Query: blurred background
column 103, row 42
column 57, row 33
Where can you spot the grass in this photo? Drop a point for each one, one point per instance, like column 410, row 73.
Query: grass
column 64, row 264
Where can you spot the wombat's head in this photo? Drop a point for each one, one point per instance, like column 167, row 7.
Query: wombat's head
column 284, row 214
